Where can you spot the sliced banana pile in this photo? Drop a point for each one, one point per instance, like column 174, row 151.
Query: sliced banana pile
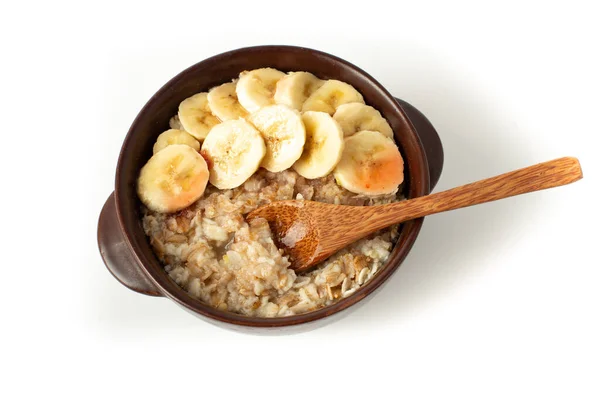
column 267, row 118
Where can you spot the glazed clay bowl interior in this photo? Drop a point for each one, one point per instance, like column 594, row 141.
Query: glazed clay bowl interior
column 154, row 118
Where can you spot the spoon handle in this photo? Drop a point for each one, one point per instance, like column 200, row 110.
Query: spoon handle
column 542, row 176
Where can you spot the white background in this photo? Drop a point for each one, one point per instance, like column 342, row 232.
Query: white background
column 496, row 301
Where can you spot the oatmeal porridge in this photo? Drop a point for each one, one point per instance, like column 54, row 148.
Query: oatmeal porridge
column 288, row 139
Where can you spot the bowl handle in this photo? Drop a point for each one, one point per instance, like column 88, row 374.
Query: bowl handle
column 116, row 254
column 429, row 139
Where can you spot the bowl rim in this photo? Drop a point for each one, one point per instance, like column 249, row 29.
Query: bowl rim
column 418, row 183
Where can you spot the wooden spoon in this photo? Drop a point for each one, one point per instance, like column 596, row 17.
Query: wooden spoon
column 310, row 231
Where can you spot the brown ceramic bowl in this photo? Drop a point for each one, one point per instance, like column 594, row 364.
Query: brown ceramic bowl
column 122, row 242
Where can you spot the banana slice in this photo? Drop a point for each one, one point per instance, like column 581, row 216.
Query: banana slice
column 295, row 88
column 371, row 164
column 234, row 150
column 223, row 102
column 174, row 136
column 323, row 147
column 195, row 116
column 283, row 132
column 172, row 179
column 256, row 88
column 175, row 123
column 356, row 117
column 330, row 96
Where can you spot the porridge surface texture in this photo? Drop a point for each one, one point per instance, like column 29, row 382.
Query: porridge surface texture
column 216, row 256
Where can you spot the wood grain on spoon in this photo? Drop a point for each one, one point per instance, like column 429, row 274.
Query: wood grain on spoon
column 310, row 231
